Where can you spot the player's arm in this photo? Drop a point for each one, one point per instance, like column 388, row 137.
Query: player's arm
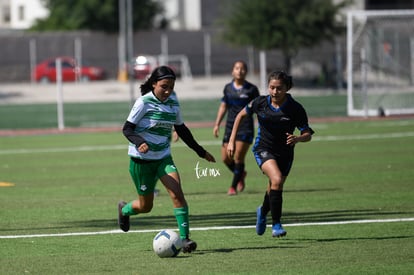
column 129, row 132
column 185, row 134
column 240, row 116
column 306, row 132
column 220, row 115
column 304, row 136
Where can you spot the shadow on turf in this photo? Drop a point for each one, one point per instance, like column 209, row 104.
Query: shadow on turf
column 338, row 215
column 146, row 221
column 220, row 192
column 230, row 250
column 358, row 238
column 294, row 243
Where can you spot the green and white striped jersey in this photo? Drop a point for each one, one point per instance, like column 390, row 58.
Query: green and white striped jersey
column 154, row 120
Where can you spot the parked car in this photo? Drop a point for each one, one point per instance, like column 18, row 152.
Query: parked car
column 143, row 65
column 46, row 71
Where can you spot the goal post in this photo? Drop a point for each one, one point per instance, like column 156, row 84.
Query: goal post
column 180, row 63
column 380, row 62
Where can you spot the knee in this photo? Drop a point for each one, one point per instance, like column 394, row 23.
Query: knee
column 143, row 207
column 146, row 208
column 276, row 183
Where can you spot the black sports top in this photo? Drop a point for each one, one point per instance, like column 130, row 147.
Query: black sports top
column 236, row 100
column 274, row 123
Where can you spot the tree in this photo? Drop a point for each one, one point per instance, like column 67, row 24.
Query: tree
column 287, row 25
column 99, row 15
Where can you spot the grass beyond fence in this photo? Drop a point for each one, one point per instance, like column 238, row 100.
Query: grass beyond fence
column 348, row 207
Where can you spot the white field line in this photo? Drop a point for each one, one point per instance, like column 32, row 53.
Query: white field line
column 118, row 231
column 205, row 143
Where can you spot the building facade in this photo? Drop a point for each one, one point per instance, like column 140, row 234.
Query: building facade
column 20, row 14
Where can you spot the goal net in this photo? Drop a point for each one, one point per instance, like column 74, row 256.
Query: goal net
column 179, row 63
column 380, row 62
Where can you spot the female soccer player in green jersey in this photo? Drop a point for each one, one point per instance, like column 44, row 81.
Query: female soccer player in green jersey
column 148, row 129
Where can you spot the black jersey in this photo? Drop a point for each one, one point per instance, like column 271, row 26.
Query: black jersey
column 236, row 100
column 274, row 123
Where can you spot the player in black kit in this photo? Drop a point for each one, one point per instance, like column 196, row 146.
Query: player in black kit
column 278, row 115
column 237, row 94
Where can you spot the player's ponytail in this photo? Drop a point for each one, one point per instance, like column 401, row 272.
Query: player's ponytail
column 159, row 73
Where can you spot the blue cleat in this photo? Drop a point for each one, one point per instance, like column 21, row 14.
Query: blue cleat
column 278, row 231
column 261, row 222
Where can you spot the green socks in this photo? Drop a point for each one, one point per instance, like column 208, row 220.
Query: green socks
column 127, row 210
column 181, row 215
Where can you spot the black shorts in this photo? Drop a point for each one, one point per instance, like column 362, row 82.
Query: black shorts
column 283, row 162
column 245, row 137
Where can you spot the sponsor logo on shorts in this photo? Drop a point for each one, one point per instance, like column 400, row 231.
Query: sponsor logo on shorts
column 264, row 154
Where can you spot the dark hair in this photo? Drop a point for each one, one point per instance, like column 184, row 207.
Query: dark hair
column 282, row 76
column 159, row 73
column 243, row 63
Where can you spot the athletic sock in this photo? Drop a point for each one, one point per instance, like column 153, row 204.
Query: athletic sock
column 127, row 210
column 181, row 215
column 276, row 200
column 266, row 204
column 230, row 166
column 238, row 174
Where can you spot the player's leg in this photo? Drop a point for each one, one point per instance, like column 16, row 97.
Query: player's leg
column 229, row 162
column 144, row 179
column 172, row 184
column 171, row 180
column 275, row 191
column 240, row 152
column 261, row 213
column 262, row 210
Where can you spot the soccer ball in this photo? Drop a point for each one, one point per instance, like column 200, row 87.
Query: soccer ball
column 167, row 243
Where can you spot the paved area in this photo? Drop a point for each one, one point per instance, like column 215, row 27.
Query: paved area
column 113, row 91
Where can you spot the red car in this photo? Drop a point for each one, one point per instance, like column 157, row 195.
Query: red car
column 46, row 71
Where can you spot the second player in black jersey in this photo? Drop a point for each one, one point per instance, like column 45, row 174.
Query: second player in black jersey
column 278, row 115
column 236, row 95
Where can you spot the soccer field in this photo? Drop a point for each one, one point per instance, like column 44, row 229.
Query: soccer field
column 348, row 207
